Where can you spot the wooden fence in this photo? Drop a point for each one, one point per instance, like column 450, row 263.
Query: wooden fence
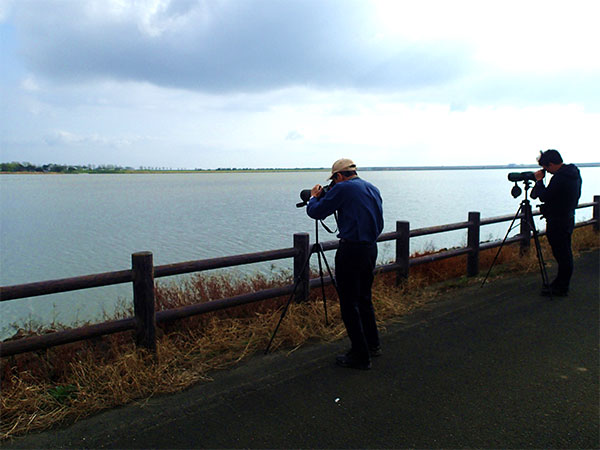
column 143, row 273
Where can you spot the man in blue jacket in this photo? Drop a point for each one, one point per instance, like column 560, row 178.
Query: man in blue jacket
column 359, row 211
column 560, row 199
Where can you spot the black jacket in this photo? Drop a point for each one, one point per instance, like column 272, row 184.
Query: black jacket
column 561, row 196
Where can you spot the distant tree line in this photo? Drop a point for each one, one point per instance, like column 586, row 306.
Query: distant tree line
column 60, row 168
column 16, row 167
column 89, row 168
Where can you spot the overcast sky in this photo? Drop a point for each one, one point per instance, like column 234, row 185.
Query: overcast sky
column 275, row 83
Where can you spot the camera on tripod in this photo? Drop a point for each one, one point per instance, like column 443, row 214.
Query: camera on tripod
column 526, row 215
column 521, row 176
column 317, row 248
column 525, row 177
column 305, row 194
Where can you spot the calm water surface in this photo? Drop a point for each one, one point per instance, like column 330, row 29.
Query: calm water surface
column 59, row 226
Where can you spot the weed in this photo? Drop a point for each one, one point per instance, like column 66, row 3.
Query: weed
column 43, row 388
column 62, row 394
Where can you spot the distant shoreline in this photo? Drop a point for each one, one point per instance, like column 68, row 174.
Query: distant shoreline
column 515, row 167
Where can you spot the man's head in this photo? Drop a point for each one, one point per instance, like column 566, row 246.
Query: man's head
column 550, row 160
column 343, row 169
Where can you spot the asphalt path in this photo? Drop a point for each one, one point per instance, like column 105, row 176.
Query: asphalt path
column 491, row 367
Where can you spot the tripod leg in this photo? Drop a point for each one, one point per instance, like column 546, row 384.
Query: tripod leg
column 330, row 273
column 541, row 262
column 510, row 227
column 540, row 256
column 287, row 305
column 331, row 276
column 319, row 252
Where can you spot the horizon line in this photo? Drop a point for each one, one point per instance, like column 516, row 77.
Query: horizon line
column 365, row 168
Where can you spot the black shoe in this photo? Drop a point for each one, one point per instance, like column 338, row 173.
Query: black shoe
column 375, row 351
column 553, row 291
column 350, row 361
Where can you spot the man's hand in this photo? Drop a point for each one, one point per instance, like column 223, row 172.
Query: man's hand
column 316, row 191
column 539, row 175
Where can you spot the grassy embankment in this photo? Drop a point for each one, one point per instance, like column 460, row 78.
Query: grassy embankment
column 62, row 384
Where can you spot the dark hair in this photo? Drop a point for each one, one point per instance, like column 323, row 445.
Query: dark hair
column 549, row 157
column 347, row 173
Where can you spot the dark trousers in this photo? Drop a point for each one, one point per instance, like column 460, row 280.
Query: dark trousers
column 558, row 232
column 354, row 264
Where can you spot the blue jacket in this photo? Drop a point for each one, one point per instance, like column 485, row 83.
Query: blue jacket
column 359, row 207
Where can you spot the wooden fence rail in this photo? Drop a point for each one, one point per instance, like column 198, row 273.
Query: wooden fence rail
column 143, row 273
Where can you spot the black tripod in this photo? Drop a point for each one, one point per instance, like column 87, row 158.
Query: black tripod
column 318, row 249
column 525, row 208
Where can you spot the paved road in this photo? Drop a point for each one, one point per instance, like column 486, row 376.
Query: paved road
column 494, row 367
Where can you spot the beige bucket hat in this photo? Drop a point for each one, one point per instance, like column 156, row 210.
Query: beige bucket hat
column 342, row 165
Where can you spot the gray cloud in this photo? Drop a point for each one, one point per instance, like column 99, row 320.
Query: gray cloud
column 514, row 90
column 561, row 88
column 65, row 138
column 294, row 136
column 230, row 47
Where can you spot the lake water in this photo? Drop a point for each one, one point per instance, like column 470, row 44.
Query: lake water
column 58, row 226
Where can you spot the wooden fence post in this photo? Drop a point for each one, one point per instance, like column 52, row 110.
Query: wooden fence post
column 302, row 244
column 473, row 232
column 402, row 250
column 596, row 214
column 143, row 300
column 525, row 230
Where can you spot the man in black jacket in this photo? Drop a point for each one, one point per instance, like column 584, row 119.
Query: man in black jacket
column 560, row 199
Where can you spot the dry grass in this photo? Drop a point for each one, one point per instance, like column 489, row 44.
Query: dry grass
column 62, row 384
